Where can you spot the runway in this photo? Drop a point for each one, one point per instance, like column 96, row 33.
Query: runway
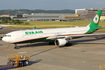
column 87, row 53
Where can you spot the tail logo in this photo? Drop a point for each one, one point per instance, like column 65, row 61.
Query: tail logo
column 96, row 19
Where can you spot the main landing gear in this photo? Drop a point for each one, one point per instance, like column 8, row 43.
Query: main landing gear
column 68, row 44
column 16, row 47
column 51, row 43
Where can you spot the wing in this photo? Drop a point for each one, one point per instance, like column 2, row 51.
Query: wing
column 74, row 36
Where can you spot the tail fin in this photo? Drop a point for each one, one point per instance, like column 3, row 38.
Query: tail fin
column 94, row 24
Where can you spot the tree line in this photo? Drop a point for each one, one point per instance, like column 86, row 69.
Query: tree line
column 26, row 11
column 8, row 20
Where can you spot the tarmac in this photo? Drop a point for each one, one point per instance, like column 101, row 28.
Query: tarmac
column 87, row 53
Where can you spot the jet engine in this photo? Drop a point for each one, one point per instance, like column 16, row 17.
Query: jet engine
column 60, row 42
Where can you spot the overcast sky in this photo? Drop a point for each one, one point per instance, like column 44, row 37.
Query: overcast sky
column 51, row 4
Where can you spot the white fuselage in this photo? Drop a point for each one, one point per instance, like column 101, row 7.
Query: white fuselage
column 25, row 35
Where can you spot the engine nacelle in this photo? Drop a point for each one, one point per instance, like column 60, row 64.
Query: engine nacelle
column 60, row 42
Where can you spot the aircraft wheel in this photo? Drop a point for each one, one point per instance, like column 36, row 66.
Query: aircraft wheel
column 51, row 43
column 68, row 44
column 16, row 47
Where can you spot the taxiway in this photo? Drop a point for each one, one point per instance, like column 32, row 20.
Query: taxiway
column 87, row 53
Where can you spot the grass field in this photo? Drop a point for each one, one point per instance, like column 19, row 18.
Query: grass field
column 56, row 24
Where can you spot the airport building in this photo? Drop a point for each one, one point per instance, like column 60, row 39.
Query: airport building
column 47, row 17
column 88, row 14
column 80, row 14
column 5, row 15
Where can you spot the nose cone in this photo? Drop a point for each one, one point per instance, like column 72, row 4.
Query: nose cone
column 5, row 39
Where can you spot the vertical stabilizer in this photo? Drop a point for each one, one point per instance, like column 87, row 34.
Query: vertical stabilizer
column 94, row 24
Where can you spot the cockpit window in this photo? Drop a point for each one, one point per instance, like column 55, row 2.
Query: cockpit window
column 7, row 36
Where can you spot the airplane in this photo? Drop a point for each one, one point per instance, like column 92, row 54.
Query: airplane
column 1, row 27
column 58, row 36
